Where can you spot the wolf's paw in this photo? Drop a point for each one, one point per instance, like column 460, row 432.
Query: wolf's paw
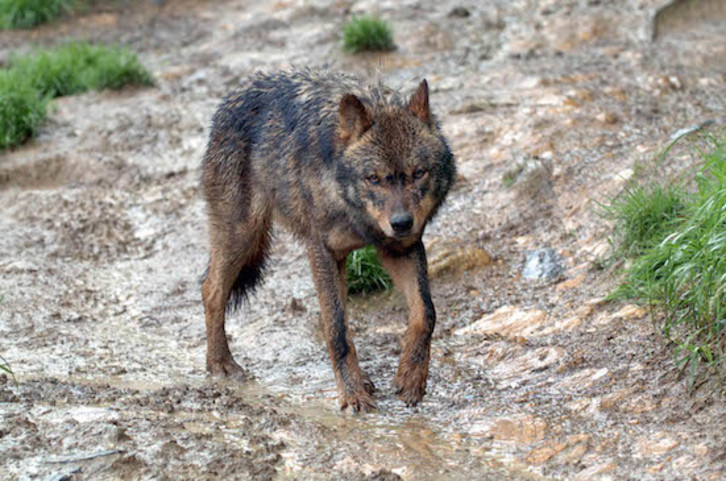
column 411, row 384
column 360, row 401
column 227, row 368
column 368, row 385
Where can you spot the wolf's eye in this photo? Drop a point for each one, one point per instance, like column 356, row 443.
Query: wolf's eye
column 419, row 174
column 373, row 179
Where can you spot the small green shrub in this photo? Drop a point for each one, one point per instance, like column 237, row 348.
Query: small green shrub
column 644, row 215
column 34, row 79
column 367, row 33
column 678, row 243
column 29, row 13
column 22, row 110
column 365, row 273
column 79, row 66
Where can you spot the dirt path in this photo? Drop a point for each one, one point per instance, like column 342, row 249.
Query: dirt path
column 103, row 241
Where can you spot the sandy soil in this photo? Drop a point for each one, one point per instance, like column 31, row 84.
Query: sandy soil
column 103, row 242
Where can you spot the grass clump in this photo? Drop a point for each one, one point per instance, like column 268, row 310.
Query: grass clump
column 644, row 215
column 367, row 34
column 80, row 66
column 365, row 273
column 5, row 366
column 32, row 80
column 29, row 13
column 22, row 110
column 676, row 237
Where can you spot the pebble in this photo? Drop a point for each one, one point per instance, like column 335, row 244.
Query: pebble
column 459, row 12
column 543, row 264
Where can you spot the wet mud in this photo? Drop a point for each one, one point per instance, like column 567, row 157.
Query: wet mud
column 103, row 241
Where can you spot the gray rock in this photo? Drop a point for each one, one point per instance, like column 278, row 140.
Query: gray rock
column 459, row 12
column 689, row 17
column 543, row 264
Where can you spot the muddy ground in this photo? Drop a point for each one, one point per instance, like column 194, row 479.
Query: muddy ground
column 104, row 239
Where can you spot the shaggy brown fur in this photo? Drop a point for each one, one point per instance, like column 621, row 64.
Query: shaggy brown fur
column 342, row 166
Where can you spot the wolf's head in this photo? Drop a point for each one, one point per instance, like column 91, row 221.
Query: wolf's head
column 397, row 167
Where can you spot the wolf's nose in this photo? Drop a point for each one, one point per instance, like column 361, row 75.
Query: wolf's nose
column 401, row 223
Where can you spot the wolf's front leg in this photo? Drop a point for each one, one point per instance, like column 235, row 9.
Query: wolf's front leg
column 329, row 275
column 410, row 275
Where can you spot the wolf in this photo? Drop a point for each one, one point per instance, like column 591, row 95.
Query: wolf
column 342, row 165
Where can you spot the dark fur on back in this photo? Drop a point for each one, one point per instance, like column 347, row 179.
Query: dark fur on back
column 289, row 121
column 342, row 165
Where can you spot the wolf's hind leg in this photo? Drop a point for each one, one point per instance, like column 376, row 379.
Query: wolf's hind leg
column 238, row 252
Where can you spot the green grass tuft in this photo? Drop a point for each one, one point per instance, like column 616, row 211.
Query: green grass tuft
column 29, row 13
column 677, row 239
column 367, row 34
column 644, row 215
column 22, row 110
column 5, row 366
column 79, row 66
column 34, row 79
column 365, row 273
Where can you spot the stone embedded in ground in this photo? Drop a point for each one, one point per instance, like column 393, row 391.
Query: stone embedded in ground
column 613, row 400
column 630, row 311
column 543, row 264
column 544, row 453
column 524, row 428
column 571, row 283
column 514, row 322
column 449, row 258
column 656, row 445
column 584, row 379
column 531, row 361
column 593, row 471
column 506, row 321
column 459, row 12
column 607, row 118
column 688, row 16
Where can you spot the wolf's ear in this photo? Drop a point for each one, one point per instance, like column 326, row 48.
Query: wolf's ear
column 419, row 103
column 354, row 118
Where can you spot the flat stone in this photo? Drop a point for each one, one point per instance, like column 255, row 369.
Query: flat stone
column 524, row 428
column 457, row 259
column 589, row 473
column 543, row 454
column 686, row 464
column 557, row 325
column 630, row 311
column 459, row 12
column 507, row 321
column 536, row 360
column 656, row 444
column 571, row 283
column 583, row 379
column 613, row 399
column 573, row 455
column 607, row 118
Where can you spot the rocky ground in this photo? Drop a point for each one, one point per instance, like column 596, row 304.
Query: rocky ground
column 549, row 107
